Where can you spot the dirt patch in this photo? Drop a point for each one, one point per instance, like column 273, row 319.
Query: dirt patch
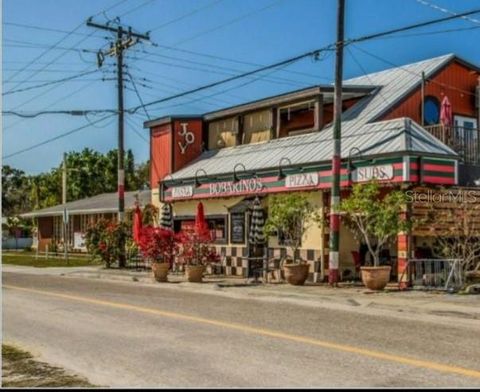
column 21, row 370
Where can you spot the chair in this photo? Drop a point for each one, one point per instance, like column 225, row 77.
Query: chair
column 357, row 262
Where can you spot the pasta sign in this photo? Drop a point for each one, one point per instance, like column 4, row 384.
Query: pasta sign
column 368, row 173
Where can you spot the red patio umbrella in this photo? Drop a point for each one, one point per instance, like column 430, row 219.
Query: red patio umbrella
column 446, row 112
column 201, row 225
column 137, row 224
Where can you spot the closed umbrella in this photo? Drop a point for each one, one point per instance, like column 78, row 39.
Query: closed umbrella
column 137, row 224
column 446, row 112
column 256, row 235
column 166, row 219
column 446, row 118
column 201, row 225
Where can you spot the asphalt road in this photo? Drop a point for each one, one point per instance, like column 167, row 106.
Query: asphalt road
column 126, row 334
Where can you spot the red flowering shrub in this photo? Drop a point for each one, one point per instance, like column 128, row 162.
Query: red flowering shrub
column 104, row 238
column 158, row 244
column 197, row 250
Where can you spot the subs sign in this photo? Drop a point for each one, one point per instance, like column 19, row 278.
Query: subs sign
column 367, row 173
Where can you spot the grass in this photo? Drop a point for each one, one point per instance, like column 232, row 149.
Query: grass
column 20, row 370
column 28, row 259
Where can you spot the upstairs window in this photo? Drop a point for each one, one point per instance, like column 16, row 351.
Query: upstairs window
column 431, row 110
column 297, row 118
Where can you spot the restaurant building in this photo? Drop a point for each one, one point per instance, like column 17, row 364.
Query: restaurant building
column 391, row 131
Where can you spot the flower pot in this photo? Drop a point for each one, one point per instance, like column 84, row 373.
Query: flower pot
column 160, row 271
column 296, row 274
column 195, row 273
column 376, row 278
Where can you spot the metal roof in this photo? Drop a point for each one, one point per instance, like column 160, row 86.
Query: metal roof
column 359, row 131
column 103, row 203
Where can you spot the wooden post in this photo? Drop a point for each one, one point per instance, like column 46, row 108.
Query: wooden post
column 319, row 113
column 334, row 256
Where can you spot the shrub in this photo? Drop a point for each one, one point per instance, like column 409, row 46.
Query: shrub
column 158, row 244
column 197, row 250
column 104, row 240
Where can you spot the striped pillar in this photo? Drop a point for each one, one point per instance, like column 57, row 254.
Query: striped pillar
column 403, row 241
column 334, row 243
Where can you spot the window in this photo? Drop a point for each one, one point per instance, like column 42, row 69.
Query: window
column 297, row 118
column 222, row 133
column 216, row 224
column 431, row 110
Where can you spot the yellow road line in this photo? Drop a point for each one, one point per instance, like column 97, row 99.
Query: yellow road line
column 265, row 332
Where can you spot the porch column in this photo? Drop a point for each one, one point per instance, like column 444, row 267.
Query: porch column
column 318, row 115
column 403, row 251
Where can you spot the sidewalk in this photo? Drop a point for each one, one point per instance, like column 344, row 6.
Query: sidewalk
column 438, row 306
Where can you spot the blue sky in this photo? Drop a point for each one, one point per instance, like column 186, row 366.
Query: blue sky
column 246, row 31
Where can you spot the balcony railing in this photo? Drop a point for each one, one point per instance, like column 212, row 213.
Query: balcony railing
column 464, row 141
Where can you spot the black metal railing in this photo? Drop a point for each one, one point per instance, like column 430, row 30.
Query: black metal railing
column 464, row 141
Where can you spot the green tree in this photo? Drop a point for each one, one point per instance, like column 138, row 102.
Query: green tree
column 374, row 217
column 291, row 214
column 15, row 185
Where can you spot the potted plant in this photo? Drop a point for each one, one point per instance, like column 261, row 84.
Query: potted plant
column 290, row 215
column 196, row 254
column 377, row 220
column 160, row 246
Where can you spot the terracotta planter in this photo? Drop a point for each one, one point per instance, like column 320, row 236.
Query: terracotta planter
column 376, row 278
column 160, row 271
column 296, row 274
column 195, row 273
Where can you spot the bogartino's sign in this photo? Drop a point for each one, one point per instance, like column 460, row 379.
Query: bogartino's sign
column 367, row 173
column 250, row 185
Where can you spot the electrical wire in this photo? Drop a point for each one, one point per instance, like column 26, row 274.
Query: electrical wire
column 411, row 72
column 70, row 132
column 188, row 14
column 444, row 10
column 49, row 83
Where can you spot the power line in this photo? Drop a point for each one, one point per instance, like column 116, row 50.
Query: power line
column 313, row 54
column 70, row 112
column 49, row 83
column 228, row 23
column 444, row 10
column 230, row 69
column 58, row 43
column 40, row 28
column 216, row 57
column 411, row 72
column 410, row 27
column 61, row 99
column 193, row 12
column 292, row 60
column 138, row 94
column 70, row 132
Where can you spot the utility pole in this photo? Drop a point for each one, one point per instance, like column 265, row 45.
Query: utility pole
column 125, row 39
column 334, row 245
column 64, row 202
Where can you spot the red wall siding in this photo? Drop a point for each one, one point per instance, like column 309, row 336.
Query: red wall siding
column 160, row 153
column 457, row 75
column 193, row 150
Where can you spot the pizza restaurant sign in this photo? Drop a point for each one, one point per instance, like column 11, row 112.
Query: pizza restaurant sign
column 251, row 185
column 301, row 180
column 368, row 173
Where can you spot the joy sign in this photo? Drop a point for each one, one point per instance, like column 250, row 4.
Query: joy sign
column 188, row 137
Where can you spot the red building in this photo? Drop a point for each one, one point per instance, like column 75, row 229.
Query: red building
column 391, row 131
